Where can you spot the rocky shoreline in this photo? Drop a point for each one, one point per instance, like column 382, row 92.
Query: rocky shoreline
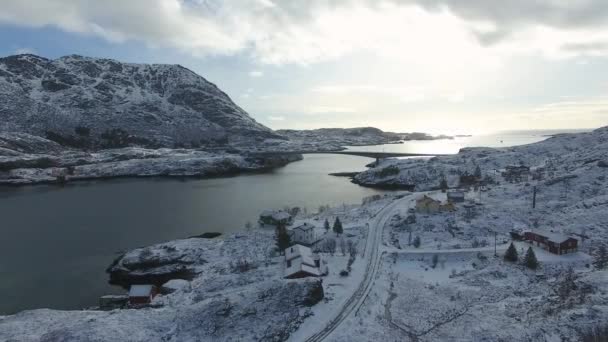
column 26, row 159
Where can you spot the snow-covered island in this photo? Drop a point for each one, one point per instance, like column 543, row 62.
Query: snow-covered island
column 334, row 139
column 27, row 159
column 427, row 265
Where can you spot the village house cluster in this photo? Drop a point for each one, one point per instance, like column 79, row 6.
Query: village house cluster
column 300, row 260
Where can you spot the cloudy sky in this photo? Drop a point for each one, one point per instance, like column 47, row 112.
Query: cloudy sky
column 441, row 66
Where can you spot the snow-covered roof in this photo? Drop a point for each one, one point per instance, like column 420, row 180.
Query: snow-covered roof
column 267, row 213
column 297, row 251
column 281, row 215
column 306, row 226
column 555, row 237
column 457, row 193
column 276, row 215
column 302, row 259
column 426, row 199
column 140, row 290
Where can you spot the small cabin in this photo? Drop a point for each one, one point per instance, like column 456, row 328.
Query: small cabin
column 275, row 218
column 455, row 196
column 553, row 242
column 111, row 302
column 428, row 205
column 516, row 173
column 467, row 180
column 142, row 294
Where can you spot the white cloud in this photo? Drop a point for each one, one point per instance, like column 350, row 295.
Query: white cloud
column 331, row 110
column 406, row 93
column 256, row 73
column 573, row 108
column 442, row 33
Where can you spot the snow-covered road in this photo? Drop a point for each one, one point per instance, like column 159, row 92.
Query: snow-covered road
column 373, row 260
column 499, row 248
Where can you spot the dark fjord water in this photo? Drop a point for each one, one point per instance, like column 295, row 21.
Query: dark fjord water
column 57, row 241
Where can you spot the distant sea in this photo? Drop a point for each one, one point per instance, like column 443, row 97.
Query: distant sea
column 449, row 146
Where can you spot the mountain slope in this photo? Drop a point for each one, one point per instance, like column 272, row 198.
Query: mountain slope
column 90, row 102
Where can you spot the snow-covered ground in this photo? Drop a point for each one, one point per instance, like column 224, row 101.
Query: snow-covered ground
column 450, row 287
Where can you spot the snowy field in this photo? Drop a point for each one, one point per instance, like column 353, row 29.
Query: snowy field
column 431, row 276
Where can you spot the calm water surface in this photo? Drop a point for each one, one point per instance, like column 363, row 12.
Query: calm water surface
column 57, row 241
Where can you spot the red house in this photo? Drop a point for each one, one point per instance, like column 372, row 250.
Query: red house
column 553, row 242
column 142, row 294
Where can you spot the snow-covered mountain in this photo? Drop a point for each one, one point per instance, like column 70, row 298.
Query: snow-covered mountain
column 91, row 102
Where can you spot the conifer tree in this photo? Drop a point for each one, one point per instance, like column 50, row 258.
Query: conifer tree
column 338, row 226
column 326, row 225
column 282, row 238
column 477, row 172
column 530, row 259
column 511, row 254
column 600, row 260
column 417, row 241
column 443, row 185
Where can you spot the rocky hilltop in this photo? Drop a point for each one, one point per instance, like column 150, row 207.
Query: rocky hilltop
column 102, row 103
column 328, row 139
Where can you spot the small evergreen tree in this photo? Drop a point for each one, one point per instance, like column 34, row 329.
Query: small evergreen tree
column 416, row 242
column 567, row 284
column 282, row 238
column 326, row 225
column 443, row 185
column 600, row 258
column 511, row 254
column 477, row 173
column 435, row 260
column 338, row 226
column 530, row 259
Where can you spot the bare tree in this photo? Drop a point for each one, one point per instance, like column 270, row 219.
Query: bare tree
column 330, row 246
column 342, row 246
column 352, row 249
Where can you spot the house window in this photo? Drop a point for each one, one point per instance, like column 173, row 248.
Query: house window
column 288, row 263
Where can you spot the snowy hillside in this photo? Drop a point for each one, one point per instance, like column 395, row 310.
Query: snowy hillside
column 559, row 155
column 90, row 102
column 411, row 275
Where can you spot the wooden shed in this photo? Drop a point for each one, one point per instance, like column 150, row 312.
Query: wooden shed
column 142, row 294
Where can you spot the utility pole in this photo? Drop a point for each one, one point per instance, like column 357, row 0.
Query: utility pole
column 534, row 198
column 495, row 237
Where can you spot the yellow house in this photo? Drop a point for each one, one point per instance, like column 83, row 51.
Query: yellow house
column 427, row 205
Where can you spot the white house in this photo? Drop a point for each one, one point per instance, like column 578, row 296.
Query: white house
column 303, row 234
column 301, row 262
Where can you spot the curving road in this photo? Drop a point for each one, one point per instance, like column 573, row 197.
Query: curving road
column 373, row 261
